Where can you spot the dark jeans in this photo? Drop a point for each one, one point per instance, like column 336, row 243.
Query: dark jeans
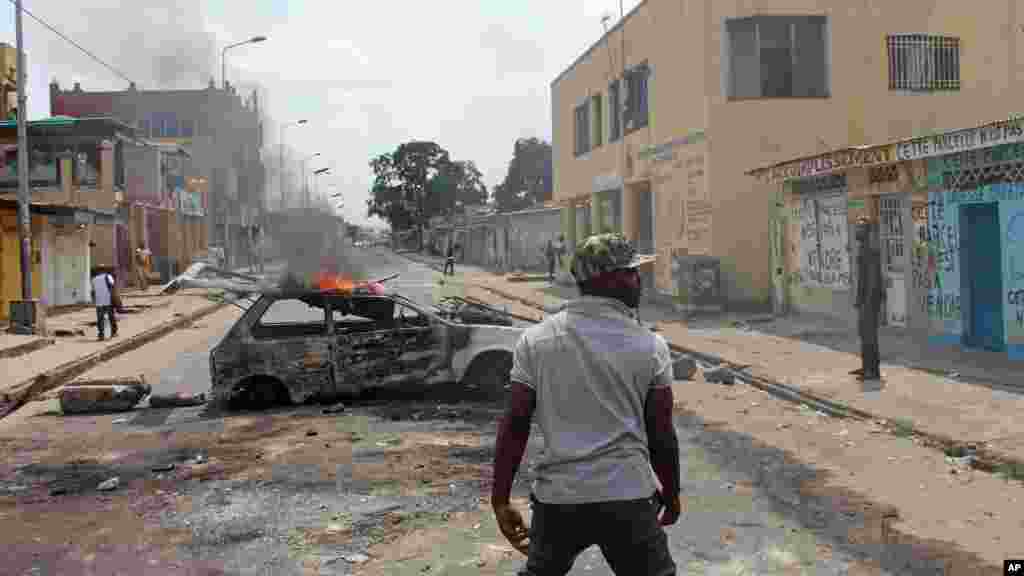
column 449, row 264
column 627, row 532
column 106, row 312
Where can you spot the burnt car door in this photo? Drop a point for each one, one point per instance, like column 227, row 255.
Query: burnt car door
column 365, row 346
column 418, row 343
column 290, row 342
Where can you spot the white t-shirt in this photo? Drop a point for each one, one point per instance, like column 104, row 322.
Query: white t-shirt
column 591, row 365
column 101, row 285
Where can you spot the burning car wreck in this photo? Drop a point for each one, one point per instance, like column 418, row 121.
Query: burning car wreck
column 333, row 339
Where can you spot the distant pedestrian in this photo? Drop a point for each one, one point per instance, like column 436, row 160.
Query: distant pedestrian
column 141, row 261
column 552, row 256
column 103, row 290
column 600, row 386
column 560, row 249
column 870, row 295
column 449, row 261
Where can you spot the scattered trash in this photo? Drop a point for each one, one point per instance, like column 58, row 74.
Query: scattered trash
column 176, row 400
column 820, row 413
column 58, row 491
column 311, row 432
column 334, row 528
column 164, row 467
column 684, row 368
column 97, row 396
column 110, row 484
column 721, row 375
column 842, row 432
column 199, row 459
column 356, row 558
column 953, row 375
column 335, row 408
column 119, row 420
column 783, row 426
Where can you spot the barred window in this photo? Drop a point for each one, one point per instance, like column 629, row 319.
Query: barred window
column 923, row 63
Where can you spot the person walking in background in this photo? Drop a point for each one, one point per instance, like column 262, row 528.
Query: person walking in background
column 449, row 261
column 551, row 255
column 600, row 386
column 560, row 249
column 870, row 295
column 103, row 298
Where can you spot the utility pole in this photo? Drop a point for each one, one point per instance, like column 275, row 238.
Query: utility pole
column 24, row 197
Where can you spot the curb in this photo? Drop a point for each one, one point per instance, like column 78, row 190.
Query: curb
column 984, row 459
column 26, row 391
column 26, row 348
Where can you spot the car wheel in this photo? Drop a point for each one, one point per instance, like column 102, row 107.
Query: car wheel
column 488, row 374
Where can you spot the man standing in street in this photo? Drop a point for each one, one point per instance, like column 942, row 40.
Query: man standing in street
column 449, row 261
column 141, row 259
column 600, row 386
column 103, row 299
column 870, row 295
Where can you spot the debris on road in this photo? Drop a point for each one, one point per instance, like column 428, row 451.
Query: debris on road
column 335, row 408
column 720, row 375
column 311, row 432
column 108, row 485
column 117, row 395
column 176, row 400
column 356, row 558
column 164, row 467
column 684, row 368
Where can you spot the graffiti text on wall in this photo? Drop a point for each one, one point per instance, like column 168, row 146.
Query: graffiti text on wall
column 824, row 258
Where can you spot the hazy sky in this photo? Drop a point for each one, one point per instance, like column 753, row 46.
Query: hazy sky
column 471, row 75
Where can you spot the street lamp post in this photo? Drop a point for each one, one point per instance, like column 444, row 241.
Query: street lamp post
column 224, row 84
column 316, row 187
column 305, row 180
column 24, row 194
column 223, row 56
column 281, row 173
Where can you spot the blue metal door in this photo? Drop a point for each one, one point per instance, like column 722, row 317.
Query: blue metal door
column 982, row 277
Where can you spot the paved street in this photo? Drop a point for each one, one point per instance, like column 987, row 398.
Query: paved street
column 403, row 481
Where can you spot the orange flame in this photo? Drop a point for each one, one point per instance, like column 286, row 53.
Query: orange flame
column 334, row 283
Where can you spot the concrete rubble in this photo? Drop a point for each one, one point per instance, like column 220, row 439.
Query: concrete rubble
column 87, row 397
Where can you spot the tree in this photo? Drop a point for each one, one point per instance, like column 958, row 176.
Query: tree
column 528, row 180
column 400, row 187
column 458, row 182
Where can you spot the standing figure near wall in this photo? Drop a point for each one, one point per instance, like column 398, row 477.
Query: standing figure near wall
column 141, row 261
column 870, row 295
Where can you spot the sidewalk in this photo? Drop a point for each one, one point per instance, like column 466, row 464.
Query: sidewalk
column 965, row 396
column 153, row 312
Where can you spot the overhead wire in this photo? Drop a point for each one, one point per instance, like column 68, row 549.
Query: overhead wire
column 64, row 37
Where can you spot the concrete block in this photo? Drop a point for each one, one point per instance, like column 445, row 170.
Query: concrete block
column 102, row 396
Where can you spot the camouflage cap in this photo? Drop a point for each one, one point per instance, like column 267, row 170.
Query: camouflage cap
column 603, row 253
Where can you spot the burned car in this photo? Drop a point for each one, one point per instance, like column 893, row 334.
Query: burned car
column 294, row 347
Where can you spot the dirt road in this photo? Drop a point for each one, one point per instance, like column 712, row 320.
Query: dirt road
column 398, row 485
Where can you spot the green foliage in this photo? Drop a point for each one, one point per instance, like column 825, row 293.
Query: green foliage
column 419, row 180
column 525, row 182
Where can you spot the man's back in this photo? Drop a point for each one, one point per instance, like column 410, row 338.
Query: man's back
column 591, row 366
column 101, row 285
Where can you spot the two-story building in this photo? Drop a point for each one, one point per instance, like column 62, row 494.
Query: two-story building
column 75, row 183
column 655, row 124
column 223, row 135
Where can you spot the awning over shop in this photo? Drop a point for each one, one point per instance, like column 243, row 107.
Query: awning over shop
column 66, row 212
column 933, row 145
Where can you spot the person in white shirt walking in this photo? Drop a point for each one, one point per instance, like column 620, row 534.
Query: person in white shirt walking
column 103, row 298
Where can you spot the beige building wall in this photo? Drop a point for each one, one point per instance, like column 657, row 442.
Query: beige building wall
column 685, row 44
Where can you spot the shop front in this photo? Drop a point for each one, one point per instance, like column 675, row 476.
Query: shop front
column 949, row 210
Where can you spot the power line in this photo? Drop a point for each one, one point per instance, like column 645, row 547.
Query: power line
column 72, row 42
